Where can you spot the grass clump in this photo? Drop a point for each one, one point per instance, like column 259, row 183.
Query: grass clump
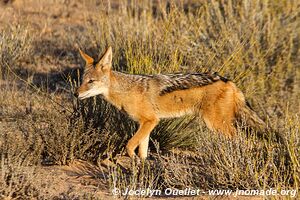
column 15, row 47
column 17, row 181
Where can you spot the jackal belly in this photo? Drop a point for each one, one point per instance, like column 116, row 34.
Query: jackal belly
column 179, row 103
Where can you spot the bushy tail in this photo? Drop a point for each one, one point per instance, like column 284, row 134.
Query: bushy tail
column 246, row 115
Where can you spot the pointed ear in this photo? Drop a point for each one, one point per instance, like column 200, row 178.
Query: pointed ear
column 87, row 58
column 106, row 60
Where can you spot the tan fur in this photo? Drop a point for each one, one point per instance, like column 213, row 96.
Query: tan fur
column 147, row 99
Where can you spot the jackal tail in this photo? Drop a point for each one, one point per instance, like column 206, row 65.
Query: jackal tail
column 246, row 115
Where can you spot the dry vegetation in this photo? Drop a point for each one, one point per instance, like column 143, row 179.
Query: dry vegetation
column 255, row 43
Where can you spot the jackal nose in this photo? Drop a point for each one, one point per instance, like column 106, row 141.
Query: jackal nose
column 76, row 94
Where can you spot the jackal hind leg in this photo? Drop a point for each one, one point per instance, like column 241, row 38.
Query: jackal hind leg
column 140, row 138
column 219, row 117
column 220, row 125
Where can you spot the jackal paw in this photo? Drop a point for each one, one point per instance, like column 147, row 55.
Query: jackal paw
column 143, row 155
column 130, row 152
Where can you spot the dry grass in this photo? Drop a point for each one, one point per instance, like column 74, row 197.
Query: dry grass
column 254, row 43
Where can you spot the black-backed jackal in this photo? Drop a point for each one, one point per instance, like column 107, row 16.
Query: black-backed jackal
column 149, row 98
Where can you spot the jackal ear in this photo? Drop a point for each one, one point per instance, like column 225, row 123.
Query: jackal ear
column 87, row 58
column 106, row 60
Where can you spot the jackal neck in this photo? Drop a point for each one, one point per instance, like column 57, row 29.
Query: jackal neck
column 118, row 87
column 122, row 81
column 119, row 81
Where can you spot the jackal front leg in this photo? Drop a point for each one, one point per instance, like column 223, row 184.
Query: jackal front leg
column 143, row 147
column 140, row 137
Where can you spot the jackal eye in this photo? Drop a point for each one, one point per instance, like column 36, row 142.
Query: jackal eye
column 90, row 81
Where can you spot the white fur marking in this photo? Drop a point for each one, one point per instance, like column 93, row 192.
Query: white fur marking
column 93, row 92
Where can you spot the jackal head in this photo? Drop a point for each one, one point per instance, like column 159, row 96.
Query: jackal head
column 96, row 77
